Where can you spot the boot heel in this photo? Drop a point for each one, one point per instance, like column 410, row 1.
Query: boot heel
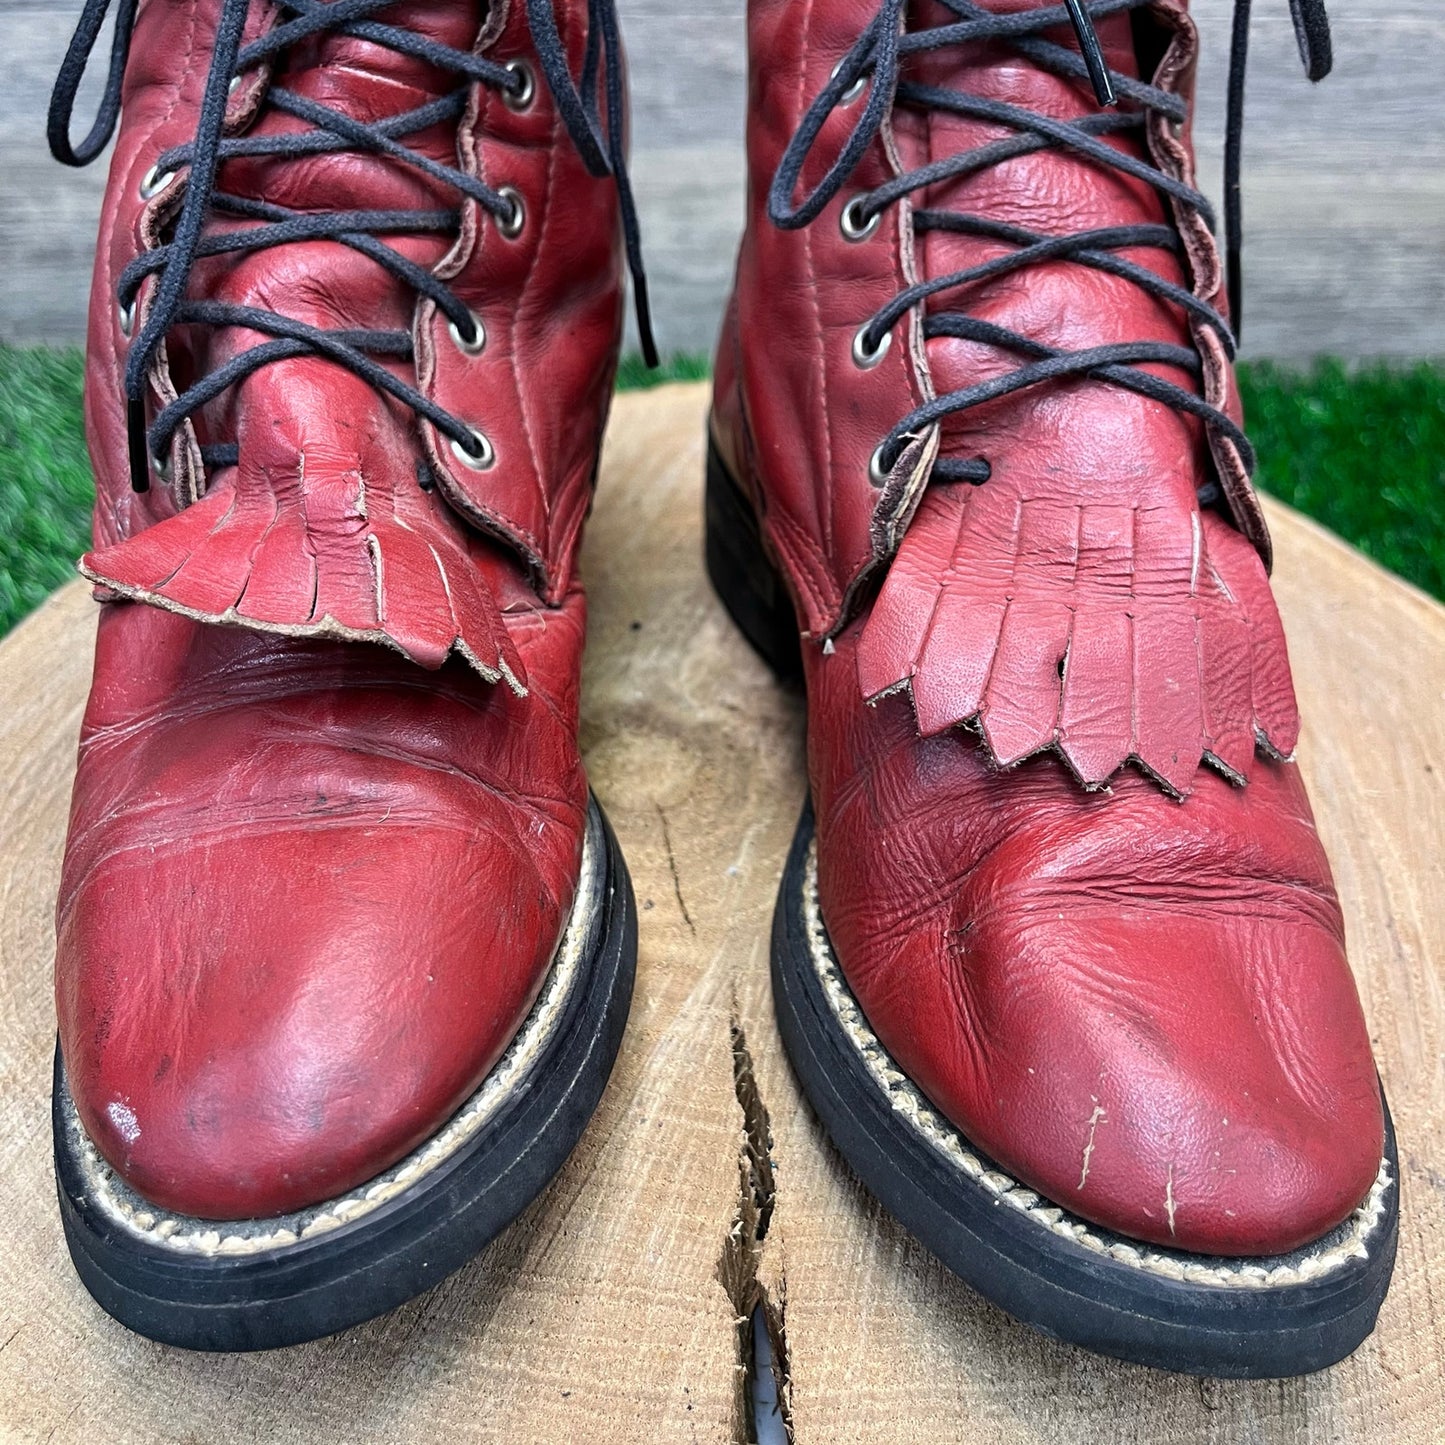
column 748, row 584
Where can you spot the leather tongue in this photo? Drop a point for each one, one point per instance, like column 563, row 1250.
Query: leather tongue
column 321, row 530
column 1064, row 436
column 1078, row 600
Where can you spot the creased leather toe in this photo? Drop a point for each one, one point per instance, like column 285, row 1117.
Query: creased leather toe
column 306, row 905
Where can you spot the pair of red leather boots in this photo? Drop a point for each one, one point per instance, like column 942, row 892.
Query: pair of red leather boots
column 346, row 945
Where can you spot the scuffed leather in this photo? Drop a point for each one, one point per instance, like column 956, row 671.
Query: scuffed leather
column 1140, row 1006
column 313, row 884
column 550, row 301
column 321, row 531
column 812, row 419
column 1079, row 598
column 1108, row 629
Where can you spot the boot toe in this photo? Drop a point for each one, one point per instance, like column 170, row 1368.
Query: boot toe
column 1230, row 1111
column 305, row 906
column 1140, row 1009
column 268, row 1027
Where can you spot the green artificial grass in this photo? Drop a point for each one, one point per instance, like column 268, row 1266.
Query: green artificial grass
column 635, row 375
column 1361, row 449
column 45, row 491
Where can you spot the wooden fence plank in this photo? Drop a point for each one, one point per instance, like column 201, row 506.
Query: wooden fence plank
column 1344, row 191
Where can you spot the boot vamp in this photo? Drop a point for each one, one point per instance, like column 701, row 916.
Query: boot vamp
column 1139, row 1007
column 309, row 895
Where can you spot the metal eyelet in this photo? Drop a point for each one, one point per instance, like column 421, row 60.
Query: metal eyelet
column 481, row 460
column 154, row 182
column 866, row 357
column 877, row 472
column 854, row 90
column 233, row 85
column 162, row 467
column 127, row 317
column 477, row 344
column 522, row 97
column 511, row 225
column 854, row 225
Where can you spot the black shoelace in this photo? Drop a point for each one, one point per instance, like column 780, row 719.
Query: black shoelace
column 599, row 144
column 1126, row 105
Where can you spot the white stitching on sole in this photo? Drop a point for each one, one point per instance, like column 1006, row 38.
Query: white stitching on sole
column 186, row 1234
column 909, row 1103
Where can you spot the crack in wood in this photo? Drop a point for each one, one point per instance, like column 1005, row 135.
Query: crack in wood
column 738, row 1270
column 672, row 868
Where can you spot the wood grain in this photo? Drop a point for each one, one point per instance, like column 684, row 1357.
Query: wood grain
column 608, row 1312
column 1344, row 182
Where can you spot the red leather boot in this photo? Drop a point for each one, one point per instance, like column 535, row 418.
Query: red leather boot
column 345, row 947
column 1057, row 956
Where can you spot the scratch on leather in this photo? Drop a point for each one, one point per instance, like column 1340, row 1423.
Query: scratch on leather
column 1352, row 1240
column 1099, row 1116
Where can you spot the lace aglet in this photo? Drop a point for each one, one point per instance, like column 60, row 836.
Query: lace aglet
column 1093, row 53
column 135, row 436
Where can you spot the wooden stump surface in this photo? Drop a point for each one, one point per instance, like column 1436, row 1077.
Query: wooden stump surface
column 609, row 1311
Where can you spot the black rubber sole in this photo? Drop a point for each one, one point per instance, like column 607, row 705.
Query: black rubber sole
column 1109, row 1294
column 328, row 1281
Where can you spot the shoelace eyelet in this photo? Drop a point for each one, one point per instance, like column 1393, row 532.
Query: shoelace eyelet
column 854, row 225
column 477, row 344
column 511, row 225
column 865, row 358
column 481, row 460
column 522, row 97
column 854, row 90
column 190, row 188
column 154, row 182
column 877, row 472
column 162, row 467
